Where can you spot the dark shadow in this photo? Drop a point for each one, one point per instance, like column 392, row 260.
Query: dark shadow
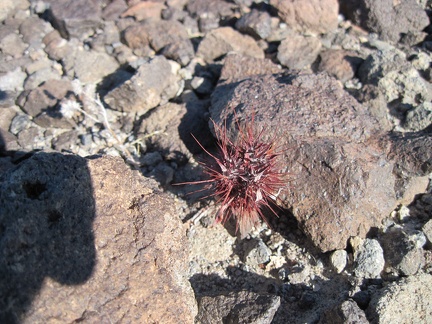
column 299, row 303
column 46, row 215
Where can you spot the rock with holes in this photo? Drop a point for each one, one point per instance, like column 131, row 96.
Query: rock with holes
column 89, row 240
column 408, row 300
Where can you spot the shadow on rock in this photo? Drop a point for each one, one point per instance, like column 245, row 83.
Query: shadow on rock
column 46, row 215
column 298, row 303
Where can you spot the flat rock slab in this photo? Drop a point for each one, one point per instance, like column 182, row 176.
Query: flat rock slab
column 343, row 175
column 89, row 240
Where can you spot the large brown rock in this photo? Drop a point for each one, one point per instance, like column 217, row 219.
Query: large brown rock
column 345, row 175
column 89, row 240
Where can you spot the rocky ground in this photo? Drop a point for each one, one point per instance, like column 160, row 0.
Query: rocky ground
column 98, row 101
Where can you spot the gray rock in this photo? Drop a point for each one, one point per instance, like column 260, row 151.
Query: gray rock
column 427, row 230
column 308, row 16
column 339, row 260
column 13, row 45
column 32, row 138
column 6, row 7
column 402, row 251
column 368, row 259
column 255, row 23
column 419, row 117
column 399, row 82
column 40, row 76
column 33, row 29
column 169, row 128
column 153, row 84
column 77, row 18
column 297, row 51
column 81, row 238
column 209, row 8
column 222, row 40
column 92, row 66
column 65, row 141
column 44, row 97
column 13, row 80
column 19, row 123
column 379, row 16
column 405, row 301
column 242, row 307
column 347, row 312
column 258, row 253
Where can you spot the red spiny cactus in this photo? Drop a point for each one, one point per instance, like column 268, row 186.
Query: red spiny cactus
column 245, row 178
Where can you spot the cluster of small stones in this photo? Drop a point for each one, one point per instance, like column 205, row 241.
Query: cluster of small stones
column 134, row 78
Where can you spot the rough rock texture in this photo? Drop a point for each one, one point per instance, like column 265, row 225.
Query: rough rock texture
column 368, row 258
column 379, row 16
column 308, row 16
column 347, row 312
column 408, row 300
column 237, row 67
column 255, row 23
column 89, row 240
column 298, row 51
column 222, row 40
column 341, row 64
column 154, row 83
column 331, row 168
column 402, row 252
column 401, row 85
column 242, row 307
column 77, row 18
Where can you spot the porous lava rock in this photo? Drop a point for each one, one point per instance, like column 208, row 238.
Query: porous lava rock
column 402, row 301
column 379, row 16
column 89, row 240
column 345, row 174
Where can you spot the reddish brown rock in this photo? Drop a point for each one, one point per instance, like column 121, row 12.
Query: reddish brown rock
column 344, row 172
column 222, row 40
column 308, row 16
column 90, row 240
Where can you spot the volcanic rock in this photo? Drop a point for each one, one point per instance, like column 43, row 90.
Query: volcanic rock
column 345, row 174
column 89, row 240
